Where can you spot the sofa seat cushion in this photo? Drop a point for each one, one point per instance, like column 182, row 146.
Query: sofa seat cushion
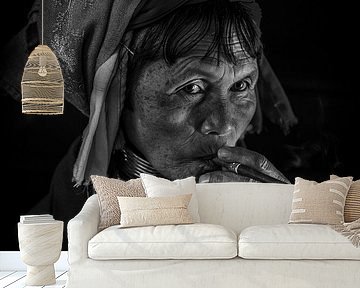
column 188, row 241
column 295, row 241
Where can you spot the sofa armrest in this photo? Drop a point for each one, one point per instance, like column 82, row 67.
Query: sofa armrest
column 82, row 228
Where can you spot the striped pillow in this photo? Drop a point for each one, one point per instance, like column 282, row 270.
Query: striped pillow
column 352, row 202
column 320, row 203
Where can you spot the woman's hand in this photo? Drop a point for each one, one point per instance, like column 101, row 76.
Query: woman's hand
column 246, row 157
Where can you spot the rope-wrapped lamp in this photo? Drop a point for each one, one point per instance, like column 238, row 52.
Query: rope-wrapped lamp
column 42, row 84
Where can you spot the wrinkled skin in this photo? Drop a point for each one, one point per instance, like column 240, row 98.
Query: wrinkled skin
column 186, row 114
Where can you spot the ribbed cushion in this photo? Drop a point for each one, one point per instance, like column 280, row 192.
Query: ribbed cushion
column 352, row 202
column 190, row 241
column 295, row 241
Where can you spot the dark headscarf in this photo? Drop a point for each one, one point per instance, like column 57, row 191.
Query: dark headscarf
column 150, row 11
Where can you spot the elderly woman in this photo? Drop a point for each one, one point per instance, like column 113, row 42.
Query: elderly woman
column 170, row 88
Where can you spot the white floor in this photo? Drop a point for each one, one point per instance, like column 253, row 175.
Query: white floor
column 13, row 270
column 16, row 279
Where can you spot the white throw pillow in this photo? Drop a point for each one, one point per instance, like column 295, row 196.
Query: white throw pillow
column 160, row 187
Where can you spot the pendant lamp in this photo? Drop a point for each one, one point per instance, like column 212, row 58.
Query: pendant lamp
column 42, row 84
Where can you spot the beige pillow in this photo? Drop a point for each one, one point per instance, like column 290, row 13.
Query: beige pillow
column 139, row 211
column 321, row 203
column 107, row 190
column 352, row 202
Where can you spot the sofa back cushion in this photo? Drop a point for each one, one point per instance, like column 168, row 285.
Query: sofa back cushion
column 237, row 205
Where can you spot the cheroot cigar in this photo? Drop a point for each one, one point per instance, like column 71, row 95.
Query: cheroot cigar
column 247, row 171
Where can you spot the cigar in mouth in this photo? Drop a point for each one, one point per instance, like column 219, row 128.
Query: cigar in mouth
column 247, row 171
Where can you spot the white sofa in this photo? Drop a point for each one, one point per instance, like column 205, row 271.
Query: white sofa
column 261, row 249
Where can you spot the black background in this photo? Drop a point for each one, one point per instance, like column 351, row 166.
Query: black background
column 310, row 45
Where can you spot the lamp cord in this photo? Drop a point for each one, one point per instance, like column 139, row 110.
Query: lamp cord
column 42, row 22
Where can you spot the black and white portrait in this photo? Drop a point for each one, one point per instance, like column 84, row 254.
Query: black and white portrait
column 185, row 92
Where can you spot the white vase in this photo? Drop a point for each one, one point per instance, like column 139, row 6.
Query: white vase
column 40, row 246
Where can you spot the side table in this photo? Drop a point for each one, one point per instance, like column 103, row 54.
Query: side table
column 40, row 246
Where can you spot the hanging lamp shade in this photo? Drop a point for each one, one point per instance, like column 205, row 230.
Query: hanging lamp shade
column 42, row 84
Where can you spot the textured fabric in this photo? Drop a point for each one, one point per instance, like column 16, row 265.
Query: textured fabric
column 321, row 203
column 97, row 130
column 140, row 211
column 107, row 190
column 150, row 11
column 301, row 241
column 350, row 230
column 191, row 241
column 157, row 187
column 94, row 27
column 352, row 202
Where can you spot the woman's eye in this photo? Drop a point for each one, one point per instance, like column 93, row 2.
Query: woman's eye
column 192, row 89
column 240, row 86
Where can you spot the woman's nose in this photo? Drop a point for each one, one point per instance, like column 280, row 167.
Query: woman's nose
column 219, row 122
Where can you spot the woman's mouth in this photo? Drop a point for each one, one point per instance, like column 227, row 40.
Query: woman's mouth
column 208, row 157
column 206, row 164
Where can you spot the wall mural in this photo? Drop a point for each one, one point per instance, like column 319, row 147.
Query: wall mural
column 284, row 109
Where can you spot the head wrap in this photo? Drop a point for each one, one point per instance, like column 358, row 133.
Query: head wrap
column 150, row 11
column 90, row 39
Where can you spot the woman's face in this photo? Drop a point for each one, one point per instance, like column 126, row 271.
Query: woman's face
column 182, row 114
